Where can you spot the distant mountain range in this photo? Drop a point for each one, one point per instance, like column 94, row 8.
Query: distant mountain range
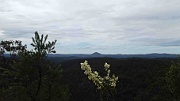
column 98, row 55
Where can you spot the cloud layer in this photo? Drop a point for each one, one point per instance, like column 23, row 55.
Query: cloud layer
column 86, row 26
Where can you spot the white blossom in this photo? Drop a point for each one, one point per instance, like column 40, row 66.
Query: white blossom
column 100, row 82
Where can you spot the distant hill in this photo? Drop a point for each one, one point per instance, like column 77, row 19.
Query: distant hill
column 96, row 54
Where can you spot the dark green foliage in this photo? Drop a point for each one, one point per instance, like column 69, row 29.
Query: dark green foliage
column 32, row 77
column 173, row 80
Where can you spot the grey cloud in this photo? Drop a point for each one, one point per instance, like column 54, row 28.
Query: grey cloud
column 4, row 10
column 171, row 43
column 150, row 17
column 164, row 42
column 17, row 33
column 93, row 13
column 95, row 48
column 159, row 16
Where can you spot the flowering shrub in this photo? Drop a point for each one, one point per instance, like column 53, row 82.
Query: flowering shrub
column 102, row 83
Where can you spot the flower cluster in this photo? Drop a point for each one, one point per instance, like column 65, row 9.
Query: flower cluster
column 101, row 82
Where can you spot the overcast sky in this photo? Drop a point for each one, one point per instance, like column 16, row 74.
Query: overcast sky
column 87, row 26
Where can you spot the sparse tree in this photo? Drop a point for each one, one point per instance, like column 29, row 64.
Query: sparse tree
column 13, row 47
